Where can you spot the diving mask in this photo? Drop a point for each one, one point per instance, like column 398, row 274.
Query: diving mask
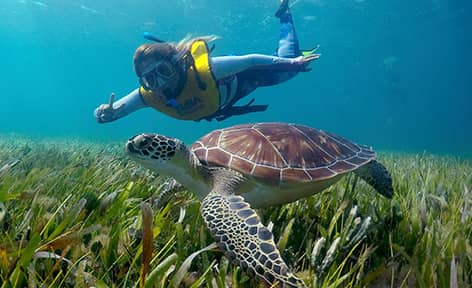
column 159, row 75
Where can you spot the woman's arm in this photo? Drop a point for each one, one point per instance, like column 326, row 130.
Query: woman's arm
column 224, row 66
column 124, row 106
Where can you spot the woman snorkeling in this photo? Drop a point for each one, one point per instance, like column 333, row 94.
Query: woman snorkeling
column 185, row 82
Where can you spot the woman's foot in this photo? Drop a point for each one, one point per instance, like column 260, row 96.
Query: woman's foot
column 283, row 8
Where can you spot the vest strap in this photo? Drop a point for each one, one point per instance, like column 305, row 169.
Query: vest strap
column 231, row 110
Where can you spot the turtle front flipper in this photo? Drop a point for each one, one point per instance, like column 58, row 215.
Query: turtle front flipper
column 166, row 191
column 240, row 234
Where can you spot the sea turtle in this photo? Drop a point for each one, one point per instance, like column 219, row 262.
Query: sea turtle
column 236, row 169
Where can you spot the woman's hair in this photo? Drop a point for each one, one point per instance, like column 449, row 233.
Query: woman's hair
column 185, row 43
column 158, row 51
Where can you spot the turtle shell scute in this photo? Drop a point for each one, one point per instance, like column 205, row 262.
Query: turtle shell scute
column 281, row 152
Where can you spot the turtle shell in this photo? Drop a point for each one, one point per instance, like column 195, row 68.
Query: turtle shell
column 281, row 152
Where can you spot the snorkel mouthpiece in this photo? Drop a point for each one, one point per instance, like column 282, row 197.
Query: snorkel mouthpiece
column 172, row 103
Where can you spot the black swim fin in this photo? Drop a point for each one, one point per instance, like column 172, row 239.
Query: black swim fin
column 282, row 8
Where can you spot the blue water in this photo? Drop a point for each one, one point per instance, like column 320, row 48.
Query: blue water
column 396, row 75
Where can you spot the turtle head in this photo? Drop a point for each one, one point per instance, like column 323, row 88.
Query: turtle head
column 159, row 153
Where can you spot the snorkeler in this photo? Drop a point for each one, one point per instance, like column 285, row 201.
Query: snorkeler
column 185, row 82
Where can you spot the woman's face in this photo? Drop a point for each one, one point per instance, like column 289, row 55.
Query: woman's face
column 159, row 74
column 156, row 68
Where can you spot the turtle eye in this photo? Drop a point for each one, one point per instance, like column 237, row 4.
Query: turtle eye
column 141, row 141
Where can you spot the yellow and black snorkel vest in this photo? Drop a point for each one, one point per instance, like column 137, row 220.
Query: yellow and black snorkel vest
column 198, row 98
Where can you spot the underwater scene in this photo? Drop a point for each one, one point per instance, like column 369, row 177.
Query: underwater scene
column 251, row 143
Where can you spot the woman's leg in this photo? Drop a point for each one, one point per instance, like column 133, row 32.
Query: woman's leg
column 288, row 41
column 288, row 47
column 250, row 79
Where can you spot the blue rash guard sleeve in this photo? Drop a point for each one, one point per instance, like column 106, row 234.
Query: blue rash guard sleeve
column 224, row 66
column 132, row 102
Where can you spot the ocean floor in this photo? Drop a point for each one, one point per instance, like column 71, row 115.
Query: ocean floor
column 80, row 214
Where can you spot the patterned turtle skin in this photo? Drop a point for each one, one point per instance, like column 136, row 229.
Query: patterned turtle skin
column 237, row 169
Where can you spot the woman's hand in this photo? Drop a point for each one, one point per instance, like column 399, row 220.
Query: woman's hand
column 106, row 112
column 304, row 61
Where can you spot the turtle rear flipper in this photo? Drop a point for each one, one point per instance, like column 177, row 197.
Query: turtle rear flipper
column 377, row 176
column 240, row 234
